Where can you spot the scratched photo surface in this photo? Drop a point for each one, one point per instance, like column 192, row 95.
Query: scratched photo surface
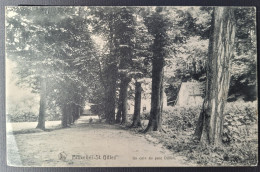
column 131, row 86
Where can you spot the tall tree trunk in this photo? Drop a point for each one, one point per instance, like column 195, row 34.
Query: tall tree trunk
column 111, row 94
column 119, row 113
column 125, row 82
column 64, row 119
column 74, row 105
column 80, row 111
column 194, row 70
column 77, row 112
column 42, row 110
column 221, row 46
column 156, row 99
column 120, row 105
column 137, row 110
column 122, row 102
column 74, row 113
column 70, row 113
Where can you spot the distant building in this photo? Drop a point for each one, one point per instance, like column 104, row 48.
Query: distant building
column 190, row 94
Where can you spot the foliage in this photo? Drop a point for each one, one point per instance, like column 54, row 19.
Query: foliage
column 240, row 122
column 239, row 135
column 180, row 119
column 31, row 117
column 145, row 116
column 69, row 64
column 243, row 80
column 196, row 24
column 22, row 117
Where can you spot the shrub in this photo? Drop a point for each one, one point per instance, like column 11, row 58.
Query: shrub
column 240, row 133
column 145, row 116
column 32, row 117
column 240, row 122
column 22, row 117
column 178, row 119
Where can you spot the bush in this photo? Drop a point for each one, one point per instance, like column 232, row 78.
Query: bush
column 178, row 119
column 22, row 117
column 53, row 117
column 240, row 122
column 239, row 135
column 145, row 116
column 32, row 117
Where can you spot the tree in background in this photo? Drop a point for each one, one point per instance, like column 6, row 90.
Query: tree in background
column 28, row 45
column 141, row 66
column 105, row 21
column 243, row 80
column 50, row 70
column 137, row 106
column 157, row 25
column 118, row 28
column 125, row 35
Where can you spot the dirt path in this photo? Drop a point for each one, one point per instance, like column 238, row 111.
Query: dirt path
column 88, row 145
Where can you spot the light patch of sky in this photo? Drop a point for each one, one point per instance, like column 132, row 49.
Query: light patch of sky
column 99, row 41
column 10, row 13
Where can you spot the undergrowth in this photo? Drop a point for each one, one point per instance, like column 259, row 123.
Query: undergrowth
column 240, row 142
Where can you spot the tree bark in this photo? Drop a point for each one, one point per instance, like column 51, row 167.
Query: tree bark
column 122, row 102
column 111, row 75
column 125, row 82
column 156, row 99
column 221, row 46
column 194, row 70
column 138, row 97
column 42, row 110
column 75, row 107
column 119, row 110
column 110, row 98
column 70, row 114
column 76, row 112
column 119, row 113
column 64, row 120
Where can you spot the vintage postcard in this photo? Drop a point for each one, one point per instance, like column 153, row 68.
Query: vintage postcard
column 131, row 86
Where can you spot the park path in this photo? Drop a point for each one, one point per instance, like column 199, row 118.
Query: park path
column 89, row 145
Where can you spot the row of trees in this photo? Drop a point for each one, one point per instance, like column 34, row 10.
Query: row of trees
column 50, row 51
column 70, row 55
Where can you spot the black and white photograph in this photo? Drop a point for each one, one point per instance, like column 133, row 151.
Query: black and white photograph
column 131, row 86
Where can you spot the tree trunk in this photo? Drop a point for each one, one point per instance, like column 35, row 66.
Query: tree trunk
column 76, row 112
column 42, row 110
column 194, row 70
column 137, row 111
column 64, row 120
column 111, row 94
column 75, row 107
column 156, row 99
column 70, row 113
column 119, row 112
column 120, row 105
column 125, row 82
column 122, row 102
column 221, row 45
